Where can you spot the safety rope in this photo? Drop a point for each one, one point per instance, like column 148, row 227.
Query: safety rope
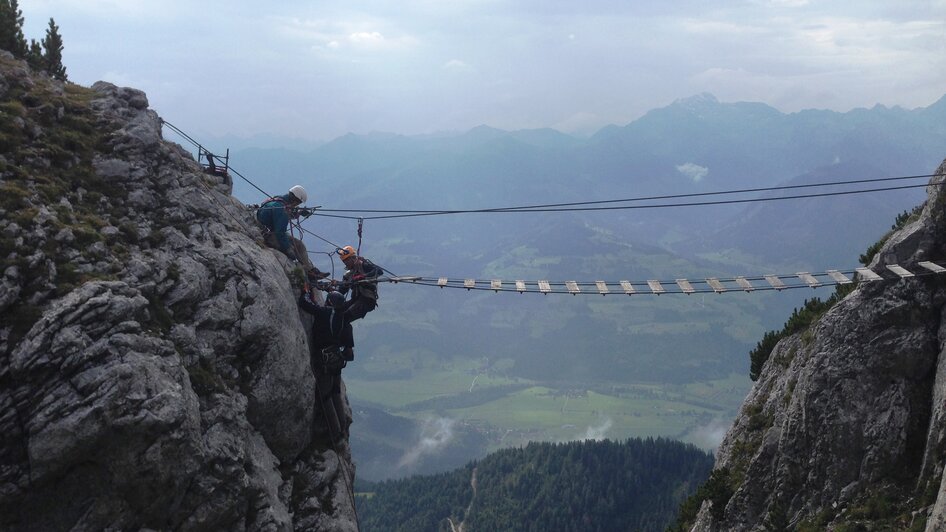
column 580, row 206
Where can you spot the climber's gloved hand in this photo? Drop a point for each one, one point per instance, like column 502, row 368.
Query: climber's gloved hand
column 305, row 298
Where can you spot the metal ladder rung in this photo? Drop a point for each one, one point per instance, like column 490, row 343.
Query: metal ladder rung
column 931, row 266
column 745, row 284
column 868, row 275
column 775, row 282
column 685, row 286
column 716, row 285
column 839, row 277
column 900, row 270
column 809, row 279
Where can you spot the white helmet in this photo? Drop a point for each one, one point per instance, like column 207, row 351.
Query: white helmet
column 299, row 193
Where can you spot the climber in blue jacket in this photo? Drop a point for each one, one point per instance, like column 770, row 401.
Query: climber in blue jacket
column 274, row 216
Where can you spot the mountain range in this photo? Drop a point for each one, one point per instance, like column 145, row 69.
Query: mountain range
column 695, row 145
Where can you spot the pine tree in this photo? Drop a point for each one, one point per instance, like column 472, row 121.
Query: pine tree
column 35, row 55
column 11, row 29
column 52, row 58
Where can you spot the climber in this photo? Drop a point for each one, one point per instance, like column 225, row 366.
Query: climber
column 360, row 276
column 274, row 215
column 330, row 327
column 330, row 350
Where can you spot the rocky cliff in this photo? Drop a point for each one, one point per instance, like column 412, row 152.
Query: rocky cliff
column 154, row 368
column 845, row 428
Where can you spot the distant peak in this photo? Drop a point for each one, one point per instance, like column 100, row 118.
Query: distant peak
column 699, row 100
column 483, row 128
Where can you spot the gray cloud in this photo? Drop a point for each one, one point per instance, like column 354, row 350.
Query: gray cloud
column 320, row 70
column 598, row 432
column 693, row 171
column 709, row 436
column 436, row 433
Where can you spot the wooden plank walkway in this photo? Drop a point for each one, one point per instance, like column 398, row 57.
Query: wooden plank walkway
column 685, row 286
column 900, row 270
column 628, row 288
column 775, row 282
column 656, row 287
column 744, row 283
column 868, row 275
column 682, row 285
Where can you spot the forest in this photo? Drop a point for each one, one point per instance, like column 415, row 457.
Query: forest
column 636, row 484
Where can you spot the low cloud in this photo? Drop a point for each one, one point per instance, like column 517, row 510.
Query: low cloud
column 709, row 436
column 435, row 434
column 598, row 432
column 694, row 171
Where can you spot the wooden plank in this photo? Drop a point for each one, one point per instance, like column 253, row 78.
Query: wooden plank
column 685, row 286
column 572, row 287
column 716, row 285
column 469, row 283
column 442, row 282
column 655, row 286
column 931, row 266
column 544, row 287
column 405, row 279
column 839, row 277
column 628, row 288
column 900, row 270
column 808, row 278
column 496, row 284
column 744, row 283
column 775, row 282
column 868, row 275
column 602, row 288
column 520, row 286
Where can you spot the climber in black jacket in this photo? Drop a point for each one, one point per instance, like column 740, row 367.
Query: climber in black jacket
column 330, row 350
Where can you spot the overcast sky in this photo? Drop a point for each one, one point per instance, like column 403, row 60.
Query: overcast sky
column 319, row 69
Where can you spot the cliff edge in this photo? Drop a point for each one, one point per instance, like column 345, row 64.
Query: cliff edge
column 154, row 369
column 845, row 428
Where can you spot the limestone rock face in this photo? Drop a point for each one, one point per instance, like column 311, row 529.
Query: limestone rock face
column 154, row 370
column 850, row 415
